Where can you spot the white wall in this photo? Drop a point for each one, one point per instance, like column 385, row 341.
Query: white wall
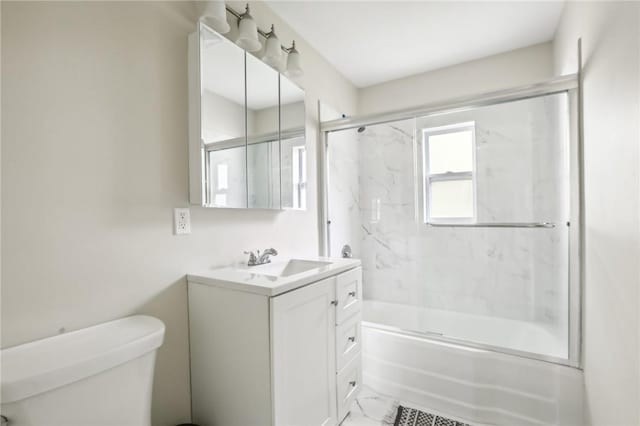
column 505, row 70
column 611, row 51
column 94, row 158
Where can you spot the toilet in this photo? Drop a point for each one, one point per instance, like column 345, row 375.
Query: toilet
column 101, row 375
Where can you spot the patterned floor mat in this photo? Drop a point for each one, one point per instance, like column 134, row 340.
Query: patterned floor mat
column 412, row 417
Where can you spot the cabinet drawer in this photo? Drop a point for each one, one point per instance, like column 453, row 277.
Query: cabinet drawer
column 349, row 384
column 348, row 338
column 349, row 294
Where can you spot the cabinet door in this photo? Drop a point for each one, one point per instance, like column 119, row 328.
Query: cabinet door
column 303, row 356
column 217, row 121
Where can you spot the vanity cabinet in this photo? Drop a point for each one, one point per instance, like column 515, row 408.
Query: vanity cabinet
column 290, row 359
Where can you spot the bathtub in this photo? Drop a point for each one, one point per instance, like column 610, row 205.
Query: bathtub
column 522, row 337
column 479, row 385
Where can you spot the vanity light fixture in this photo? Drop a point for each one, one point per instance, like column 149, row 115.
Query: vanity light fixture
column 272, row 50
column 248, row 40
column 294, row 70
column 248, row 32
column 215, row 15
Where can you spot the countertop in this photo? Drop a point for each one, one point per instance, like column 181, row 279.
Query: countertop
column 249, row 279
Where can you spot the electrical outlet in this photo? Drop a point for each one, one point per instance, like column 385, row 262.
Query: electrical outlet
column 181, row 221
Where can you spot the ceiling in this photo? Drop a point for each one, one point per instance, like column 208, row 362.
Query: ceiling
column 370, row 42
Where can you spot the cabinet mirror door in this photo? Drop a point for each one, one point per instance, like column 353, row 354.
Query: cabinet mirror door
column 223, row 121
column 293, row 152
column 263, row 130
column 246, row 129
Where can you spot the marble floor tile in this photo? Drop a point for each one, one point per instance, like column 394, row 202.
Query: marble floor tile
column 371, row 408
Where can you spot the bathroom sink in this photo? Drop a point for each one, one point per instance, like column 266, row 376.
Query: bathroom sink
column 287, row 268
column 277, row 277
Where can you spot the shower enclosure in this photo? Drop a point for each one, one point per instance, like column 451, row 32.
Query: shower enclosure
column 466, row 218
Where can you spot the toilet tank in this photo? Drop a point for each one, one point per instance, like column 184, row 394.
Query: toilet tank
column 101, row 375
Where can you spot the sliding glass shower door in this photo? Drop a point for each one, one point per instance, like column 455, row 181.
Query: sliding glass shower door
column 462, row 221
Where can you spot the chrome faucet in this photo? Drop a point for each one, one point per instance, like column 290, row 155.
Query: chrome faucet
column 260, row 259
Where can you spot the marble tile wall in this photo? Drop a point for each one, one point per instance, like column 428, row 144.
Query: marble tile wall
column 374, row 194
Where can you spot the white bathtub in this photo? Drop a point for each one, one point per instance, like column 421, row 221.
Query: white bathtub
column 481, row 386
column 520, row 336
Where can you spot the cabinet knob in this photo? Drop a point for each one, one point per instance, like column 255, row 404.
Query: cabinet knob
column 334, row 302
column 352, row 293
column 352, row 339
column 353, row 383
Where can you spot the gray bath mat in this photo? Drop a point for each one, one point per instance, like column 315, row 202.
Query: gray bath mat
column 412, row 417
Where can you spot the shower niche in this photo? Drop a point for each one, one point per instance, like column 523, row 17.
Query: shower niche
column 246, row 129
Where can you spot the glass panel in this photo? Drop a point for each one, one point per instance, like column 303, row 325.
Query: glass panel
column 292, row 108
column 292, row 116
column 290, row 172
column 521, row 158
column 263, row 155
column 223, row 177
column 450, row 152
column 451, row 199
column 263, row 172
column 501, row 287
column 227, row 177
column 223, row 119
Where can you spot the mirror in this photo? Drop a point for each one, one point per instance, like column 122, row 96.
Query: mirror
column 223, row 120
column 263, row 143
column 293, row 150
column 246, row 129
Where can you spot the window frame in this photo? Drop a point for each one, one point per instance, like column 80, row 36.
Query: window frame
column 428, row 178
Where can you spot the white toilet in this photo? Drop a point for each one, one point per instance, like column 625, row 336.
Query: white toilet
column 100, row 375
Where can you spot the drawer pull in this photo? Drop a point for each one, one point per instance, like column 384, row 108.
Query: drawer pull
column 353, row 383
column 352, row 293
column 334, row 302
column 352, row 339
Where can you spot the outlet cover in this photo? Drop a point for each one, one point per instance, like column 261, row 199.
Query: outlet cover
column 181, row 221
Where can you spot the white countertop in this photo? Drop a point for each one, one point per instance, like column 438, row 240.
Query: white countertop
column 248, row 278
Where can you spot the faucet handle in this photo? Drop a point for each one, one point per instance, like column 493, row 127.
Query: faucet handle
column 252, row 258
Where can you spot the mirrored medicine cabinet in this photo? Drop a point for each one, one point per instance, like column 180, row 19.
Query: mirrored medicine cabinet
column 246, row 129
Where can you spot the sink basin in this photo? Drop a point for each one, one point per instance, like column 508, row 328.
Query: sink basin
column 280, row 276
column 287, row 268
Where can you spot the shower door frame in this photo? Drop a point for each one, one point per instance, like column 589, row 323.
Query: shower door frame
column 569, row 84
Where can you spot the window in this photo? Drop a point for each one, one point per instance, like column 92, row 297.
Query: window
column 449, row 173
column 299, row 178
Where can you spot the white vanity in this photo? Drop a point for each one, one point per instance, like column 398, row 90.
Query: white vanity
column 276, row 344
